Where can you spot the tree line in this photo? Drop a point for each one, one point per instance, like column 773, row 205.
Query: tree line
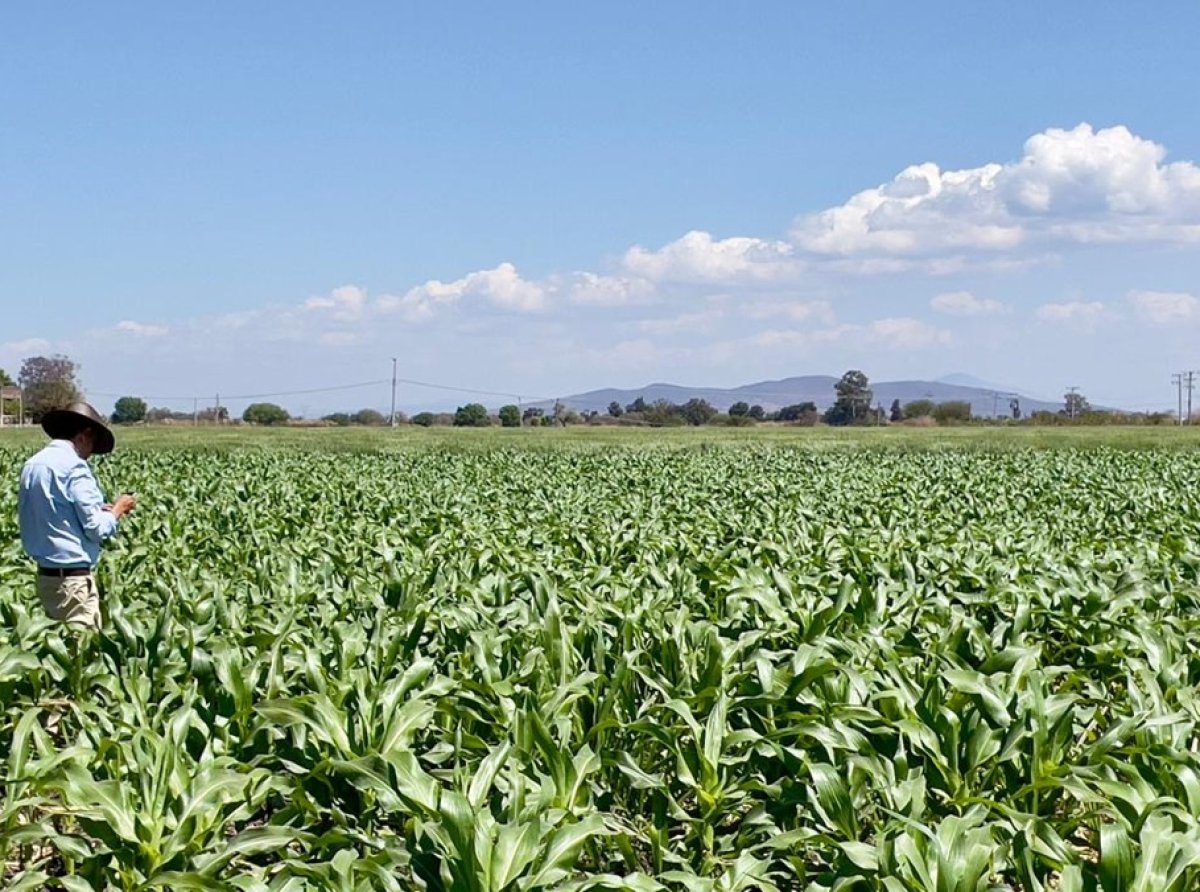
column 49, row 382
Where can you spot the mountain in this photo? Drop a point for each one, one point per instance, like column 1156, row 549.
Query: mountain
column 985, row 401
column 964, row 380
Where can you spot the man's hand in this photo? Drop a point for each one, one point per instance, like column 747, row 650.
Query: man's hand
column 122, row 506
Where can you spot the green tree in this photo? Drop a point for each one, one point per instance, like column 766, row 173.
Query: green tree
column 5, row 380
column 853, row 400
column 919, row 409
column 129, row 410
column 799, row 412
column 697, row 412
column 424, row 419
column 662, row 413
column 472, row 415
column 739, row 409
column 615, row 410
column 952, row 412
column 266, row 414
column 1075, row 404
column 897, row 413
column 510, row 416
column 341, row 419
column 48, row 382
column 757, row 412
column 533, row 415
column 214, row 415
column 638, row 405
column 368, row 418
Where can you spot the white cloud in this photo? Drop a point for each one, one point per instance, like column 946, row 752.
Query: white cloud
column 17, row 351
column 699, row 258
column 345, row 304
column 1165, row 307
column 1080, row 185
column 964, row 303
column 607, row 291
column 502, row 286
column 141, row 329
column 907, row 334
column 1084, row 313
column 237, row 320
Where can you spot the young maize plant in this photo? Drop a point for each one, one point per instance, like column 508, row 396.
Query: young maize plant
column 742, row 667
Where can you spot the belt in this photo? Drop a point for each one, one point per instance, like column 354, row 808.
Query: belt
column 64, row 571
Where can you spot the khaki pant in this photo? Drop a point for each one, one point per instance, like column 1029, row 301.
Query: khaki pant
column 71, row 599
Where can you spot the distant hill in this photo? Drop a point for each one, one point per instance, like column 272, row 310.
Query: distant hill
column 985, row 401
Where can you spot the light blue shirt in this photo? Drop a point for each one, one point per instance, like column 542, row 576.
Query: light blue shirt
column 61, row 509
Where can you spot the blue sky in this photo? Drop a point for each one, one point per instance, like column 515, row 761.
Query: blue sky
column 546, row 199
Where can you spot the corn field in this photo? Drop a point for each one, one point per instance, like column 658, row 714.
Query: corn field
column 631, row 668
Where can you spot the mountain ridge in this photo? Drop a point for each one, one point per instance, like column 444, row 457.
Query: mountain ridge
column 773, row 394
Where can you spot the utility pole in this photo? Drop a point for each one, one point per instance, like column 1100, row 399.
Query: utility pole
column 1189, row 401
column 1071, row 400
column 217, row 409
column 1177, row 380
column 195, row 411
column 392, row 417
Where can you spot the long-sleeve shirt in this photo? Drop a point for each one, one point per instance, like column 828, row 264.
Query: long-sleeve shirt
column 61, row 509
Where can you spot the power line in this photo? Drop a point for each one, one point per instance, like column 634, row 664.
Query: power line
column 252, row 396
column 516, row 396
column 258, row 396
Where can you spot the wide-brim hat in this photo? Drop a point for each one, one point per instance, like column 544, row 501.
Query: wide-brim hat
column 63, row 424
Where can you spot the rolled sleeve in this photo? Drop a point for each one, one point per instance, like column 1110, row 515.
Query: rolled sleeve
column 85, row 495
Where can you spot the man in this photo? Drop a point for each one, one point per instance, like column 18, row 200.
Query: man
column 63, row 515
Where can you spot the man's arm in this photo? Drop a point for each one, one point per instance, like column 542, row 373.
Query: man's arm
column 99, row 521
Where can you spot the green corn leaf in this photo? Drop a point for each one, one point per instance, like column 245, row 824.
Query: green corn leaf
column 1116, row 858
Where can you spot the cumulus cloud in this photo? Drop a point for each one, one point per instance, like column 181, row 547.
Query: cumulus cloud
column 345, row 304
column 502, row 286
column 141, row 329
column 1080, row 185
column 606, row 291
column 1085, row 313
column 699, row 258
column 1165, row 307
column 964, row 303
